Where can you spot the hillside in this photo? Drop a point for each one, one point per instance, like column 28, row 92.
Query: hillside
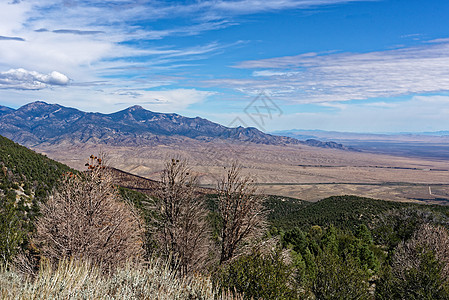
column 346, row 212
column 25, row 173
column 26, row 180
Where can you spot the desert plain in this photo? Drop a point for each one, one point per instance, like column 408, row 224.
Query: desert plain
column 298, row 171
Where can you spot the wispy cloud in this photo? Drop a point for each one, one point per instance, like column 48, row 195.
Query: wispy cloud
column 214, row 10
column 314, row 77
column 76, row 31
column 253, row 6
column 108, row 99
column 30, row 80
column 11, row 38
column 96, row 36
column 270, row 73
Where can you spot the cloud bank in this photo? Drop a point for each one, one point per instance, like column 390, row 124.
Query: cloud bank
column 22, row 79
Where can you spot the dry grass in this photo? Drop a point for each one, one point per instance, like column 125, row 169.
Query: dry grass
column 73, row 279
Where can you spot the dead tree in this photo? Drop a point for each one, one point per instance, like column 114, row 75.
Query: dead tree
column 408, row 254
column 240, row 210
column 181, row 229
column 86, row 218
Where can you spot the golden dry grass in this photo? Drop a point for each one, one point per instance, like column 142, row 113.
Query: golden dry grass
column 81, row 280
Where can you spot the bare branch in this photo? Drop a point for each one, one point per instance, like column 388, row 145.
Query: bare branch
column 85, row 217
column 241, row 212
column 182, row 231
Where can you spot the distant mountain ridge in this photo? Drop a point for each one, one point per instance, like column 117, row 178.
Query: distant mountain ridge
column 39, row 122
column 342, row 135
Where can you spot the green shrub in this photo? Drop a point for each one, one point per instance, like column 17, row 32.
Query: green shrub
column 419, row 267
column 11, row 233
column 421, row 282
column 258, row 276
column 339, row 279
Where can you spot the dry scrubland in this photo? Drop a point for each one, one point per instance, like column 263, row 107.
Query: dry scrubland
column 300, row 171
column 83, row 280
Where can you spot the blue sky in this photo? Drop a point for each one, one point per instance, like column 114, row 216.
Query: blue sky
column 361, row 66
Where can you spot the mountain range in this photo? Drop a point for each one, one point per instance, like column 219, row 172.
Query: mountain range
column 39, row 122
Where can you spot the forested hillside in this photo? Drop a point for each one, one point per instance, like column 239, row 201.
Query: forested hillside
column 26, row 180
column 24, row 170
column 348, row 212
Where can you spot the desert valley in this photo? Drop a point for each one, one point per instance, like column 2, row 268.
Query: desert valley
column 141, row 140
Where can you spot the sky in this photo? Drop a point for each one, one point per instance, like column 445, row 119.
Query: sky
column 343, row 65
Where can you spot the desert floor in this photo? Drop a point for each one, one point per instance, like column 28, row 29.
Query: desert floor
column 299, row 171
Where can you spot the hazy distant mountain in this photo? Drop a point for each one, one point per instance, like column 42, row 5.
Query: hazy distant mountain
column 40, row 122
column 344, row 137
column 434, row 145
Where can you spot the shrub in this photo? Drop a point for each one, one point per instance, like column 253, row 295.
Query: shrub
column 85, row 217
column 399, row 225
column 339, row 279
column 11, row 233
column 420, row 267
column 258, row 276
column 240, row 210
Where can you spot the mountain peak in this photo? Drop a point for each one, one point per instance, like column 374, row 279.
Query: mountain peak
column 135, row 107
column 36, row 105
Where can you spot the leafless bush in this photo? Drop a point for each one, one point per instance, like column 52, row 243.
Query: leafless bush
column 181, row 228
column 85, row 217
column 240, row 210
column 428, row 237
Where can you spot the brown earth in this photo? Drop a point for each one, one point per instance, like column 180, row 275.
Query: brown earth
column 297, row 171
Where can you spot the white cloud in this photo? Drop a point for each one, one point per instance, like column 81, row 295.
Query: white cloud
column 313, row 77
column 337, row 105
column 220, row 9
column 382, row 104
column 31, row 80
column 159, row 100
column 13, row 16
column 439, row 99
column 270, row 73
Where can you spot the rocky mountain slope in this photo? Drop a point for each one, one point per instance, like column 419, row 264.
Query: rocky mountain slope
column 40, row 122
